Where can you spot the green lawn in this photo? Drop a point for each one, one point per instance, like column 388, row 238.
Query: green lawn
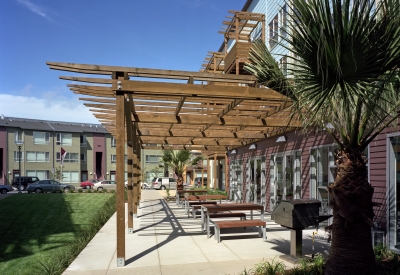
column 39, row 230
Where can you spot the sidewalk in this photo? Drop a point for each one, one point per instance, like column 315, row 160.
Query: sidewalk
column 166, row 242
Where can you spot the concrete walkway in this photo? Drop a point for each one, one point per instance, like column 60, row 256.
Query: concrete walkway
column 165, row 242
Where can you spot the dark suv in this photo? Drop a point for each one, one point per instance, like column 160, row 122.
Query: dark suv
column 25, row 181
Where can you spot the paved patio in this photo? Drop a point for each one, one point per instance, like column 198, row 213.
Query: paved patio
column 165, row 241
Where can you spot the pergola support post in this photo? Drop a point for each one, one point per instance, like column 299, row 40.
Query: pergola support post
column 130, row 190
column 129, row 139
column 120, row 175
column 215, row 172
column 226, row 173
column 135, row 177
column 208, row 173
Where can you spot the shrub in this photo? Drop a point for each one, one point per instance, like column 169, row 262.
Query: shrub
column 266, row 268
column 388, row 261
column 314, row 266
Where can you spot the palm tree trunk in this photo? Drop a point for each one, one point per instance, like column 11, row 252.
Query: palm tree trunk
column 179, row 182
column 351, row 200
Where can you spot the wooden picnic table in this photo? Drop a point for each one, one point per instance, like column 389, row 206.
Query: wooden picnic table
column 206, row 210
column 202, row 198
column 182, row 192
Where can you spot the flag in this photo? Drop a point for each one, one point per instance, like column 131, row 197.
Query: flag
column 63, row 153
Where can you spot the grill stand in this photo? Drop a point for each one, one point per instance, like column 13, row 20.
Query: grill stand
column 296, row 243
column 296, row 247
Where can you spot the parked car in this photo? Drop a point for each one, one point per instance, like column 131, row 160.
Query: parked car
column 44, row 186
column 89, row 183
column 143, row 185
column 197, row 181
column 5, row 188
column 25, row 181
column 105, row 184
column 163, row 183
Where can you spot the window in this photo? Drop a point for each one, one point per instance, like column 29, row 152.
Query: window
column 113, row 142
column 21, row 156
column 70, row 177
column 32, row 156
column 69, row 157
column 18, row 136
column 283, row 21
column 64, row 139
column 41, row 138
column 83, row 158
column 113, row 158
column 83, row 141
column 153, row 159
column 273, row 32
column 41, row 174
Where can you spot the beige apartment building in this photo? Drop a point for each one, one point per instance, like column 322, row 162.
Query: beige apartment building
column 90, row 150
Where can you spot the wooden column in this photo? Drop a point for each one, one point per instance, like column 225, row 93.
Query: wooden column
column 237, row 43
column 130, row 190
column 202, row 175
column 135, row 178
column 215, row 172
column 120, row 175
column 226, row 173
column 139, row 189
column 129, row 138
column 208, row 174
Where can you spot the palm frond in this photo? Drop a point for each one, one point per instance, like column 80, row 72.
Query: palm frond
column 343, row 68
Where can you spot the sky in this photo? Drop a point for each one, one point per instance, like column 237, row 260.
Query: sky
column 158, row 34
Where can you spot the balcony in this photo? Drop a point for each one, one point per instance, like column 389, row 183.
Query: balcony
column 236, row 57
column 239, row 32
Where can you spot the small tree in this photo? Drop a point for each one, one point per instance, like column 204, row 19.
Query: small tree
column 58, row 175
column 156, row 171
column 179, row 161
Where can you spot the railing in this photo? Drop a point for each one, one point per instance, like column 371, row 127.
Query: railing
column 239, row 51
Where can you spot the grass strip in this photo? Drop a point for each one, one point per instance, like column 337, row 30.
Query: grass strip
column 43, row 233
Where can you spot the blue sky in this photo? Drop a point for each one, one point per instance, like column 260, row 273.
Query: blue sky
column 160, row 34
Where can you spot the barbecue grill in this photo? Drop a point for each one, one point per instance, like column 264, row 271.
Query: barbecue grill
column 297, row 215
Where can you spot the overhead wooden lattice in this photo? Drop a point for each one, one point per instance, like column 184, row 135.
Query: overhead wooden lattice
column 181, row 109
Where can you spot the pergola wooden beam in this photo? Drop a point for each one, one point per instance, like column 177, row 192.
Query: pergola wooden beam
column 206, row 112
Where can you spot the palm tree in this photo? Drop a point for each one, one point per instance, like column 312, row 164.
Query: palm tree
column 344, row 73
column 179, row 160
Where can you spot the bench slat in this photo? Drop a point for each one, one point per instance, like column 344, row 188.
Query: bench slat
column 240, row 223
column 228, row 215
column 201, row 203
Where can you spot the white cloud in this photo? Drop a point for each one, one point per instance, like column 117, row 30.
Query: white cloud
column 34, row 8
column 62, row 109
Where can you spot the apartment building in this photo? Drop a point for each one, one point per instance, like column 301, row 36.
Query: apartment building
column 295, row 165
column 90, row 150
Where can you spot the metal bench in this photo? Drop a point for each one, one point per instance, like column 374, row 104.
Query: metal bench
column 240, row 215
column 218, row 225
column 198, row 203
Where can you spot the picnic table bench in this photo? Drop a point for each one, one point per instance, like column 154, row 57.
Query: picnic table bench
column 193, row 204
column 208, row 210
column 181, row 194
column 189, row 198
column 240, row 215
column 218, row 225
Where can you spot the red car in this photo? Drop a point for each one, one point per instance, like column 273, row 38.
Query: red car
column 89, row 183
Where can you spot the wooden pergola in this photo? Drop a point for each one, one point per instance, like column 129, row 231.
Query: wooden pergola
column 166, row 109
